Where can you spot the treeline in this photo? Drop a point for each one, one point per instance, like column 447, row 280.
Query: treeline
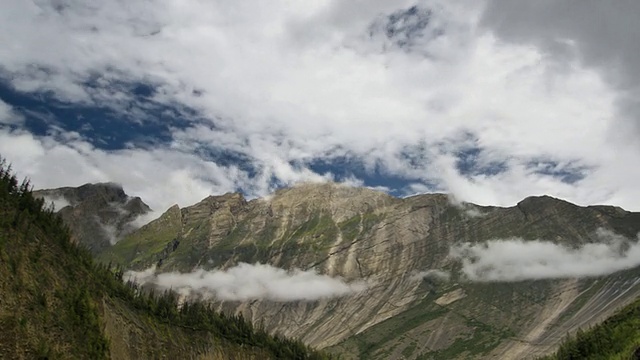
column 618, row 337
column 26, row 221
column 200, row 316
column 40, row 319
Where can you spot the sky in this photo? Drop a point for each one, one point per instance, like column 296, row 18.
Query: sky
column 489, row 100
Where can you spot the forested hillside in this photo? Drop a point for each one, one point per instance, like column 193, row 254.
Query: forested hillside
column 57, row 303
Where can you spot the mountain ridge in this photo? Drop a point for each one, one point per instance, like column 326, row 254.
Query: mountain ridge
column 363, row 234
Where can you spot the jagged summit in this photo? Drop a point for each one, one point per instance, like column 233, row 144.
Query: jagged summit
column 106, row 191
column 98, row 214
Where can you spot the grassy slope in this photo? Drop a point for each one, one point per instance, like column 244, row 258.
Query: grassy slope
column 150, row 239
column 56, row 303
column 307, row 243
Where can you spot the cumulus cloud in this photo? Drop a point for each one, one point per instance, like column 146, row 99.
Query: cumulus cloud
column 596, row 34
column 249, row 282
column 518, row 259
column 403, row 89
column 161, row 177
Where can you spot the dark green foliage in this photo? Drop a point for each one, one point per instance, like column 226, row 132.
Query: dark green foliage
column 41, row 321
column 30, row 235
column 202, row 317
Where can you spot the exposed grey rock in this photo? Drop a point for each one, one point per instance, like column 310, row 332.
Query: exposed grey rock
column 99, row 215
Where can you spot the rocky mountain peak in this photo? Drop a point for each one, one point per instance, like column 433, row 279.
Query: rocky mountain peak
column 541, row 200
column 99, row 192
column 99, row 214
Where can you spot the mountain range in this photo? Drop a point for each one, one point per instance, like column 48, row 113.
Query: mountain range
column 366, row 275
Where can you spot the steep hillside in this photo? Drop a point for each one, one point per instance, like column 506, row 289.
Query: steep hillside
column 618, row 337
column 98, row 214
column 407, row 311
column 57, row 304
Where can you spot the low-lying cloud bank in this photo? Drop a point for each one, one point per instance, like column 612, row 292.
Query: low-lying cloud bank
column 250, row 282
column 516, row 259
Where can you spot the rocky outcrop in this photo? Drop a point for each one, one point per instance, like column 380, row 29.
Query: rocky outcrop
column 99, row 215
column 362, row 234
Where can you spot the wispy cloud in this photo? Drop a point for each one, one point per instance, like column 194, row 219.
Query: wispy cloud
column 8, row 116
column 109, row 230
column 249, row 282
column 58, row 202
column 518, row 259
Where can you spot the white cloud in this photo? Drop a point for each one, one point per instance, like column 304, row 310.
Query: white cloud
column 517, row 259
column 160, row 177
column 286, row 83
column 8, row 116
column 249, row 282
column 110, row 231
column 597, row 34
column 58, row 202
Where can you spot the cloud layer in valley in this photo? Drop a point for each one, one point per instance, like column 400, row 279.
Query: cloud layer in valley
column 176, row 101
column 250, row 282
column 518, row 259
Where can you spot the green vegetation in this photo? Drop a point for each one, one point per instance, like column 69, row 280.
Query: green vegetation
column 56, row 302
column 358, row 225
column 482, row 339
column 319, row 231
column 140, row 249
column 408, row 351
column 618, row 337
column 370, row 342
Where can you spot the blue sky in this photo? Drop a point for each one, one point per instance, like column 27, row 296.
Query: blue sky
column 179, row 100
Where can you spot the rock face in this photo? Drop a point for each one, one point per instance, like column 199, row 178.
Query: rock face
column 98, row 214
column 361, row 234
